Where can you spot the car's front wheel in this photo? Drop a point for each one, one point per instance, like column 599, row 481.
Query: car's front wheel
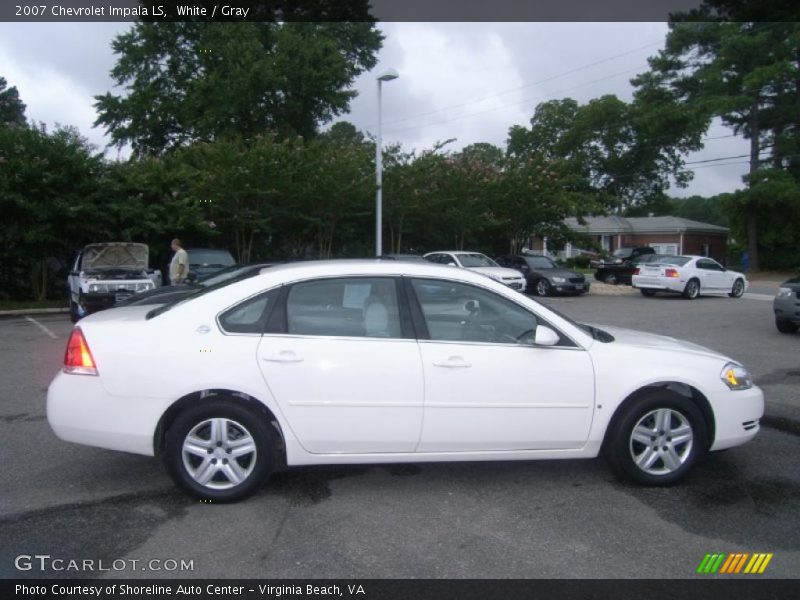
column 785, row 326
column 219, row 450
column 737, row 291
column 543, row 287
column 692, row 289
column 656, row 440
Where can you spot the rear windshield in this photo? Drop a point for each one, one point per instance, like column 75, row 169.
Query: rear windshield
column 201, row 292
column 672, row 260
column 212, row 258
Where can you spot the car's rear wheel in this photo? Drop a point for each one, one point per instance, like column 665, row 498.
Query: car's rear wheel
column 737, row 290
column 219, row 451
column 692, row 289
column 785, row 326
column 610, row 279
column 656, row 439
column 648, row 293
column 543, row 287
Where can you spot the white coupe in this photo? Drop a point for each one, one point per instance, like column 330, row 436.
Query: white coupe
column 690, row 276
column 384, row 362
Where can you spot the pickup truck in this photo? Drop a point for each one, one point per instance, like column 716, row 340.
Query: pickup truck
column 106, row 273
column 619, row 267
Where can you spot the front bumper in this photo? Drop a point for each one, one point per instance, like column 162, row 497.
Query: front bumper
column 737, row 416
column 80, row 410
column 788, row 308
column 571, row 288
column 515, row 284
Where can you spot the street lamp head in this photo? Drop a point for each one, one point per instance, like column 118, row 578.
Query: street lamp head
column 388, row 75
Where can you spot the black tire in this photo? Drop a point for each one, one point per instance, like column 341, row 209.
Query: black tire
column 543, row 287
column 648, row 293
column 692, row 289
column 785, row 326
column 737, row 291
column 610, row 279
column 240, row 423
column 73, row 311
column 620, row 447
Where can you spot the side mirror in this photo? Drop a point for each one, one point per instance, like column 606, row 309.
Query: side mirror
column 545, row 336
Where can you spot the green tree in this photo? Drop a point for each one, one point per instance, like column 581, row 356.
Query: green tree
column 48, row 187
column 745, row 73
column 197, row 81
column 12, row 110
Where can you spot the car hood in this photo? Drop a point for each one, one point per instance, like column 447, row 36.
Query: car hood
column 641, row 339
column 558, row 273
column 497, row 272
column 115, row 254
column 791, row 282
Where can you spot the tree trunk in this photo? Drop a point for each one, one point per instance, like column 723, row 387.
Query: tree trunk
column 751, row 213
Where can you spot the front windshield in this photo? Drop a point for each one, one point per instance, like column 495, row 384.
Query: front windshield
column 540, row 262
column 476, row 260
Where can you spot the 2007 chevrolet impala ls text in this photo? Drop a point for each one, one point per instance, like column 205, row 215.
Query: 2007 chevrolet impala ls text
column 384, row 362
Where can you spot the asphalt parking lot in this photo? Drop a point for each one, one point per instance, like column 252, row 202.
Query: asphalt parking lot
column 493, row 520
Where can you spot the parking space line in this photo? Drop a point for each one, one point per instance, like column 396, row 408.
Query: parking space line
column 765, row 297
column 42, row 327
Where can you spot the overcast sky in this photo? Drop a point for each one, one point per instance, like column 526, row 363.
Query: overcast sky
column 469, row 81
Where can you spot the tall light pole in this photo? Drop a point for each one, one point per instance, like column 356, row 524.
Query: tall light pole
column 387, row 75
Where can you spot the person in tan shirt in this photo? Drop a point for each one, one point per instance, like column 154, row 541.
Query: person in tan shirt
column 179, row 267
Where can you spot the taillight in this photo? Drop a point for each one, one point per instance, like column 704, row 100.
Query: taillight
column 671, row 273
column 78, row 358
column 636, row 271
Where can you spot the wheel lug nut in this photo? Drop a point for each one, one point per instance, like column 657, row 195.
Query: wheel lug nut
column 228, row 450
column 210, row 451
column 224, row 461
column 652, row 438
column 665, row 448
column 669, row 439
column 213, row 461
column 219, row 444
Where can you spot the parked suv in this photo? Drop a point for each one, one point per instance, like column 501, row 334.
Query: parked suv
column 207, row 261
column 543, row 276
column 619, row 267
column 104, row 274
column 786, row 306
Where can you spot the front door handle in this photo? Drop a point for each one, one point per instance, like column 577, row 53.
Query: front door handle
column 284, row 356
column 453, row 362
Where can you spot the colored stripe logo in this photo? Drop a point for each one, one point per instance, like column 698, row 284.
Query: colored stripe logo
column 736, row 563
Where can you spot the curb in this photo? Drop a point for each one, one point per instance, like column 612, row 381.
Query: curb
column 24, row 312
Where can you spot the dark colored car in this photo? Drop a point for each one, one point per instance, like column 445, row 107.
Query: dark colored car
column 619, row 267
column 173, row 293
column 207, row 261
column 786, row 306
column 543, row 276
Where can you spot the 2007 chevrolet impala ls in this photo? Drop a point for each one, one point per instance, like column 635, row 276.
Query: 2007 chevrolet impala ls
column 381, row 362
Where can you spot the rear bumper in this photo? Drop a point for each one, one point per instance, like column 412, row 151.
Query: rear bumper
column 737, row 416
column 80, row 410
column 659, row 284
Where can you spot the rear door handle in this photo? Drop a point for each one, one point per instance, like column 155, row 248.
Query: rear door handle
column 453, row 362
column 284, row 356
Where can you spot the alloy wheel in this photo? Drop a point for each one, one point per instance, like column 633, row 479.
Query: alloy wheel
column 661, row 441
column 219, row 453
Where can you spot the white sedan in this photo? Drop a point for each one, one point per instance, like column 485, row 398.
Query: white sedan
column 382, row 362
column 690, row 276
column 480, row 263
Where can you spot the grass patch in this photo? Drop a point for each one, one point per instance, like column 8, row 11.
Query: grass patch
column 26, row 304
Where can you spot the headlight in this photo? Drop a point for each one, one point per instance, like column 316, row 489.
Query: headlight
column 559, row 280
column 98, row 288
column 784, row 293
column 142, row 287
column 736, row 377
column 495, row 276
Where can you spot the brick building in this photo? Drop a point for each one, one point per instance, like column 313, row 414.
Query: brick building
column 668, row 235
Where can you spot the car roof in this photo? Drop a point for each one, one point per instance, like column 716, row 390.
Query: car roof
column 456, row 252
